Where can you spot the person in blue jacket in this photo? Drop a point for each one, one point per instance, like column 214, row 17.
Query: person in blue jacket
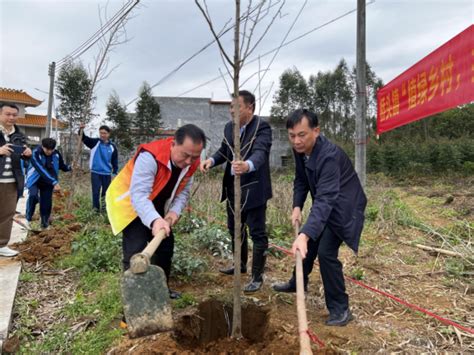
column 103, row 163
column 42, row 179
column 337, row 213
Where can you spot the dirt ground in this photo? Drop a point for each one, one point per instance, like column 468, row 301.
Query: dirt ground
column 386, row 261
column 380, row 323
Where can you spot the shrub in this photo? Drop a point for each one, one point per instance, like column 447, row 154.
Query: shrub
column 96, row 250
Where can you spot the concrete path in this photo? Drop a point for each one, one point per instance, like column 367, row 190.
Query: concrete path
column 10, row 269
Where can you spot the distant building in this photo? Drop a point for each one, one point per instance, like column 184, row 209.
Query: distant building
column 211, row 116
column 33, row 126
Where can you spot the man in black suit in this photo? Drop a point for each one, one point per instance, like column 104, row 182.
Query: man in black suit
column 254, row 170
column 337, row 214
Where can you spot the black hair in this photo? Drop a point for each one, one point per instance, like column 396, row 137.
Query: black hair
column 2, row 105
column 105, row 128
column 248, row 98
column 298, row 115
column 48, row 143
column 191, row 131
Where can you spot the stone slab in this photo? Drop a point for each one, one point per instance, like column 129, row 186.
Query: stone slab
column 10, row 269
column 9, row 274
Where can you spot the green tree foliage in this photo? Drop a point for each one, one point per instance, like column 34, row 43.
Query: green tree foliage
column 117, row 114
column 330, row 94
column 148, row 117
column 437, row 144
column 72, row 86
column 293, row 94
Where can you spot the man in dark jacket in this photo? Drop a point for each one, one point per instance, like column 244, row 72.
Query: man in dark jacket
column 42, row 180
column 337, row 214
column 254, row 170
column 12, row 150
column 103, row 163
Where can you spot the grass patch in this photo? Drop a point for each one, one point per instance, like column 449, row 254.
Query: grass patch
column 88, row 322
column 186, row 300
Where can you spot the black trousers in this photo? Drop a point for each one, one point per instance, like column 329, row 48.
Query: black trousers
column 255, row 220
column 326, row 248
column 136, row 236
column 100, row 184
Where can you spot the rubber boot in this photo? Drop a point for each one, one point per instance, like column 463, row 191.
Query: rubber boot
column 258, row 265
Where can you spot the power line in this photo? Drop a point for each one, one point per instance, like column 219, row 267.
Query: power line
column 283, row 45
column 175, row 70
column 282, row 41
column 99, row 34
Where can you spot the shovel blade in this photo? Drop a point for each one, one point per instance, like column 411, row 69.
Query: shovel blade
column 146, row 300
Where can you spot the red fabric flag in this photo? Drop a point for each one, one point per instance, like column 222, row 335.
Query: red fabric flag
column 442, row 80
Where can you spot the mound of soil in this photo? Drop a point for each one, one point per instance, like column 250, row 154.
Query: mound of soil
column 48, row 244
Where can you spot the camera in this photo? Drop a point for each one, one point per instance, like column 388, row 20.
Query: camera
column 17, row 149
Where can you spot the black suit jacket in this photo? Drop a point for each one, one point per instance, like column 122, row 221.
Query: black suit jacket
column 338, row 198
column 255, row 143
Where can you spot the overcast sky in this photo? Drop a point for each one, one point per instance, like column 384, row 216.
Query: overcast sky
column 162, row 34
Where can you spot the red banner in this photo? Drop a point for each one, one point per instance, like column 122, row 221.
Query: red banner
column 442, row 80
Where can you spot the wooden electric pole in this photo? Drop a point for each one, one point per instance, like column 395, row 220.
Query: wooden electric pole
column 361, row 100
column 51, row 71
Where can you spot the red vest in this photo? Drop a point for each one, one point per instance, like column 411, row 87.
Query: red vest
column 118, row 201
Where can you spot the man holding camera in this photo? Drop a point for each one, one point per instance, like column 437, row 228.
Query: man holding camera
column 12, row 150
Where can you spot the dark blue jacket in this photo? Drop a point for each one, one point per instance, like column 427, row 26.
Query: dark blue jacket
column 338, row 198
column 38, row 169
column 104, row 156
column 255, row 143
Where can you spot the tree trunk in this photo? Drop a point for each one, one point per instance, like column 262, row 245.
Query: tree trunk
column 237, row 312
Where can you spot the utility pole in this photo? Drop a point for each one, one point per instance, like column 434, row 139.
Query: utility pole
column 51, row 71
column 361, row 100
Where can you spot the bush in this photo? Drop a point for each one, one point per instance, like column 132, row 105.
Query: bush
column 214, row 239
column 186, row 259
column 468, row 168
column 96, row 250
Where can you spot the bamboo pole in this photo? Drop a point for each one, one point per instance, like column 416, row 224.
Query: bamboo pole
column 305, row 345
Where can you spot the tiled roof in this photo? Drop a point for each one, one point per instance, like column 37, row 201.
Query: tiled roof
column 39, row 121
column 219, row 102
column 18, row 97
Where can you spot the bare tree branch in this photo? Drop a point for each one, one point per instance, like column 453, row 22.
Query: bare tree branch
column 282, row 42
column 100, row 73
column 268, row 93
column 245, row 24
column 216, row 37
column 252, row 29
column 225, row 82
column 249, row 52
column 251, row 76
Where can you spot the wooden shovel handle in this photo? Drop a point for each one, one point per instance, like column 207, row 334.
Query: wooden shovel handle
column 155, row 243
column 305, row 345
column 139, row 262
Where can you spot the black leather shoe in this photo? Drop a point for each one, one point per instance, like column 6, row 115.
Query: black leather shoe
column 339, row 320
column 253, row 286
column 230, row 271
column 287, row 287
column 174, row 295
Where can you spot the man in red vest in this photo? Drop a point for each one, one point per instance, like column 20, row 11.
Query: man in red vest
column 150, row 192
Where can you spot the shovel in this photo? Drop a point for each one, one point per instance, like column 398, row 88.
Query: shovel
column 145, row 294
column 305, row 345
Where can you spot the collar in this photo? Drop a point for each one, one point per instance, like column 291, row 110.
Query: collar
column 5, row 132
column 311, row 163
column 247, row 123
